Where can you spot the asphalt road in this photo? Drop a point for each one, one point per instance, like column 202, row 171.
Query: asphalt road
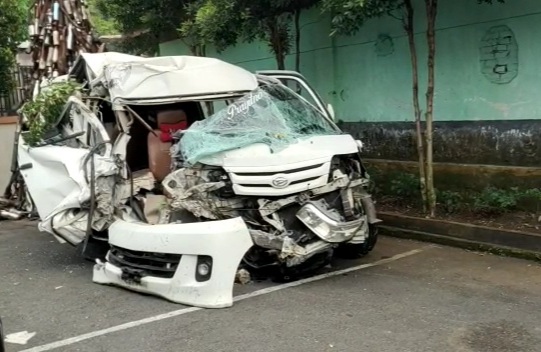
column 411, row 297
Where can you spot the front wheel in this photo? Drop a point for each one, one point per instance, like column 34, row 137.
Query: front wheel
column 356, row 251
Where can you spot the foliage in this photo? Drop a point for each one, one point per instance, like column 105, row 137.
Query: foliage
column 42, row 113
column 348, row 16
column 450, row 201
column 7, row 61
column 13, row 30
column 189, row 31
column 104, row 25
column 145, row 23
column 405, row 186
column 492, row 200
column 533, row 193
column 214, row 21
column 225, row 22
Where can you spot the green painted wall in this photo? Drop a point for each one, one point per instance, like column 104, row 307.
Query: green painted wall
column 366, row 81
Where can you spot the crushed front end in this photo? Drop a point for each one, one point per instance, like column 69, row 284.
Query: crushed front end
column 267, row 183
column 297, row 213
column 297, row 181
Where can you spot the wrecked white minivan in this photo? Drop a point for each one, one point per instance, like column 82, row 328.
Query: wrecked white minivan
column 189, row 168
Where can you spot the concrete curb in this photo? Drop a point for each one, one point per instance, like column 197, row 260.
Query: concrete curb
column 479, row 238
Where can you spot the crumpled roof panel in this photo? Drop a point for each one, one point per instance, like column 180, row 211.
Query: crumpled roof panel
column 137, row 80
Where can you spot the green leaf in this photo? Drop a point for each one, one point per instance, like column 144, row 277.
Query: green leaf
column 12, row 32
column 42, row 112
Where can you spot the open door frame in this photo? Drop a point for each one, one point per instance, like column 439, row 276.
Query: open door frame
column 282, row 75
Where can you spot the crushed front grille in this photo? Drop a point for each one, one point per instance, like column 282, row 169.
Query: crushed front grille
column 148, row 264
column 281, row 181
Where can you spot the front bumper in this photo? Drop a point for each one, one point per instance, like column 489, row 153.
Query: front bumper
column 224, row 241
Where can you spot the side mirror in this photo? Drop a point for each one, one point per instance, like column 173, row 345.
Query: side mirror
column 330, row 109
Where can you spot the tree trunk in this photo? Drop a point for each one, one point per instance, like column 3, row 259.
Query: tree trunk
column 199, row 50
column 409, row 28
column 196, row 49
column 277, row 47
column 280, row 60
column 279, row 53
column 298, row 40
column 431, row 11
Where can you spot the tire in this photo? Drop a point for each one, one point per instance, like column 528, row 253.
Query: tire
column 356, row 251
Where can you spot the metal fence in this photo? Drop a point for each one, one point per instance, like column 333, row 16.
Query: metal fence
column 11, row 102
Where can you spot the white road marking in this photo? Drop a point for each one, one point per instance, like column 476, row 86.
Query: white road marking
column 19, row 338
column 176, row 313
column 268, row 290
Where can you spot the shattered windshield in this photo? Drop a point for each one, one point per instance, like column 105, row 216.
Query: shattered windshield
column 272, row 114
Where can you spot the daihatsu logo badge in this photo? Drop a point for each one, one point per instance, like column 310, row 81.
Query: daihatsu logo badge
column 280, row 182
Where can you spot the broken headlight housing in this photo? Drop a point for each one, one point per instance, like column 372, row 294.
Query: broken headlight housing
column 325, row 227
column 219, row 175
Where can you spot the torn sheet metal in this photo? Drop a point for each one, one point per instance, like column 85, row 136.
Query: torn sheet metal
column 143, row 180
column 191, row 191
column 155, row 209
column 136, row 80
column 56, row 179
column 58, row 176
column 226, row 242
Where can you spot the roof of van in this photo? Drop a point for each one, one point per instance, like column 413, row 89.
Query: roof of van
column 138, row 80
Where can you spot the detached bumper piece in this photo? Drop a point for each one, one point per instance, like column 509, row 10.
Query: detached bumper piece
column 193, row 264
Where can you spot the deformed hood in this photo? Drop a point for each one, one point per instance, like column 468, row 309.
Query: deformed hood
column 261, row 155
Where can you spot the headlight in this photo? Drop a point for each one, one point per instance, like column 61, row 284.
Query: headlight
column 325, row 227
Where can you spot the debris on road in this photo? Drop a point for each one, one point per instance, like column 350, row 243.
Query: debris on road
column 243, row 277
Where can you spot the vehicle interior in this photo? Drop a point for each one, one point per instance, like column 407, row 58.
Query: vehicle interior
column 148, row 152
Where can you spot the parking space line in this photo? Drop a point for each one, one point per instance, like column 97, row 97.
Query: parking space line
column 179, row 312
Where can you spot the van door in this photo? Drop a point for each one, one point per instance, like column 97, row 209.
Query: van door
column 55, row 174
column 296, row 82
